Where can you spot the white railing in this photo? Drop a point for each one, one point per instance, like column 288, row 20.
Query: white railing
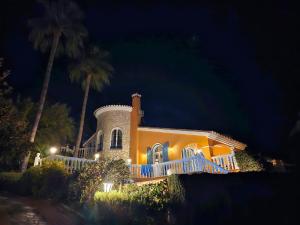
column 66, row 150
column 86, row 152
column 193, row 164
column 71, row 163
column 227, row 162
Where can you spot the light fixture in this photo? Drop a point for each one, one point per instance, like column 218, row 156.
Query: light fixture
column 198, row 151
column 169, row 172
column 97, row 156
column 129, row 161
column 53, row 150
column 107, row 187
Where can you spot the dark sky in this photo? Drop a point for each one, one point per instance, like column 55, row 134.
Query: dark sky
column 232, row 68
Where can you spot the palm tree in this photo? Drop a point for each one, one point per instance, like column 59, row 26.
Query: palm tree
column 60, row 29
column 93, row 70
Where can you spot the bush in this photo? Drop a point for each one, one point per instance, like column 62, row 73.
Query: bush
column 112, row 197
column 153, row 196
column 49, row 180
column 247, row 163
column 9, row 181
column 176, row 189
column 132, row 205
column 92, row 177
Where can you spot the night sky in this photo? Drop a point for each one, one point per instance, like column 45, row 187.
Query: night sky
column 232, row 68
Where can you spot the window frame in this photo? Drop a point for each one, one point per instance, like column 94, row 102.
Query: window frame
column 154, row 153
column 98, row 141
column 114, row 145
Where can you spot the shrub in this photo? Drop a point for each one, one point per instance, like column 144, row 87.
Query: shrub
column 112, row 197
column 176, row 189
column 74, row 191
column 122, row 207
column 31, row 181
column 92, row 177
column 247, row 163
column 9, row 181
column 152, row 196
column 48, row 180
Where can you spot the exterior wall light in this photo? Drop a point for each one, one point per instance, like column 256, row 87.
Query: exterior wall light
column 107, row 187
column 198, row 151
column 97, row 156
column 53, row 150
column 129, row 161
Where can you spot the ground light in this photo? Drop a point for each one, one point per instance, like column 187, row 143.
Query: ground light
column 169, row 172
column 53, row 150
column 97, row 155
column 107, row 187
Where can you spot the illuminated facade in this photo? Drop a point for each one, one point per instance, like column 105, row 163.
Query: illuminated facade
column 119, row 134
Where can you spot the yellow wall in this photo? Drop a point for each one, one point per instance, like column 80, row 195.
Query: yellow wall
column 218, row 148
column 221, row 150
column 176, row 143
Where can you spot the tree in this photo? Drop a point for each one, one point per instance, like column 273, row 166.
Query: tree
column 93, row 71
column 13, row 136
column 4, row 87
column 13, row 133
column 60, row 29
column 56, row 127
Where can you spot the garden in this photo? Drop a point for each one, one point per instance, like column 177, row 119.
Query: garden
column 178, row 199
column 84, row 191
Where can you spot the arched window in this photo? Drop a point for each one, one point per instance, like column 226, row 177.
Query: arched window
column 187, row 152
column 100, row 142
column 157, row 153
column 116, row 139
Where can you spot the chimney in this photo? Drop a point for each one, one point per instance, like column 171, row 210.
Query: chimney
column 136, row 107
column 136, row 115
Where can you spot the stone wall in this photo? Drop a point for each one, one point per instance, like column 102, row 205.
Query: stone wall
column 106, row 122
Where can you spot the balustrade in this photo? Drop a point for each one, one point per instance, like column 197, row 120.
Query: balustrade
column 71, row 163
column 184, row 166
column 227, row 162
column 195, row 164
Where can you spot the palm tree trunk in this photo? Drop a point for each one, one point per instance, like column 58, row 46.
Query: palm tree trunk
column 55, row 42
column 86, row 95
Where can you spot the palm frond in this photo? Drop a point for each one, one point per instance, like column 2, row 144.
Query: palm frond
column 95, row 63
column 60, row 16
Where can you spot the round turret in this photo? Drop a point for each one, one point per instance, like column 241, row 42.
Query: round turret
column 113, row 131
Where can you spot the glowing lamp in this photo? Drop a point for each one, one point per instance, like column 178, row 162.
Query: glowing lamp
column 129, row 161
column 169, row 172
column 97, row 156
column 107, row 187
column 198, row 151
column 53, row 150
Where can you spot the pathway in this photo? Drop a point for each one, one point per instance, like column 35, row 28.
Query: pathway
column 27, row 211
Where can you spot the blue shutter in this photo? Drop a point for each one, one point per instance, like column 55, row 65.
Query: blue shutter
column 149, row 156
column 165, row 152
column 183, row 153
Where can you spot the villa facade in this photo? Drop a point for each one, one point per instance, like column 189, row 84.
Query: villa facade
column 120, row 135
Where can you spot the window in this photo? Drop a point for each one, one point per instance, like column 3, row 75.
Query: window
column 116, row 139
column 157, row 153
column 100, row 143
column 187, row 153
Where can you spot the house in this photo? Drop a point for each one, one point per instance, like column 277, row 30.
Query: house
column 120, row 135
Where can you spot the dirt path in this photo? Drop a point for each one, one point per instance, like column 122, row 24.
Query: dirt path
column 24, row 211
